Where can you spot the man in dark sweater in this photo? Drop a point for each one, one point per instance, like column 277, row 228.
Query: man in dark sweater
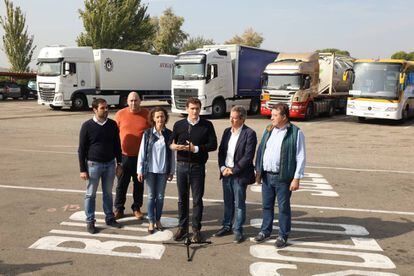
column 99, row 146
column 192, row 138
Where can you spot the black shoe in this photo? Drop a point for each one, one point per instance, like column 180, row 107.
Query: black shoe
column 90, row 227
column 238, row 238
column 280, row 242
column 196, row 236
column 113, row 223
column 223, row 232
column 180, row 234
column 261, row 237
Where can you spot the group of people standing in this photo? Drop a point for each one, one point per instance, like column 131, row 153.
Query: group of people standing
column 138, row 145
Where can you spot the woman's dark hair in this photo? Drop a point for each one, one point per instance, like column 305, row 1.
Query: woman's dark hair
column 152, row 113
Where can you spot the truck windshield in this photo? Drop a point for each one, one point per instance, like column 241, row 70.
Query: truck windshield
column 188, row 71
column 49, row 68
column 285, row 82
column 376, row 80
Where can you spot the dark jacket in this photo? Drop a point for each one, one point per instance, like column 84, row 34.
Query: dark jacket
column 243, row 156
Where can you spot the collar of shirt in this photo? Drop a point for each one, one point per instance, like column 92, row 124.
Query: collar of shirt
column 196, row 122
column 99, row 123
column 154, row 131
column 237, row 131
column 283, row 127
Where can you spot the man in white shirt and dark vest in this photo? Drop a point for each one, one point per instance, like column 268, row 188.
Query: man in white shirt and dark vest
column 280, row 164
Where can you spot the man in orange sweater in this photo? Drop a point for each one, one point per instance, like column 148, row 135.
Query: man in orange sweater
column 132, row 122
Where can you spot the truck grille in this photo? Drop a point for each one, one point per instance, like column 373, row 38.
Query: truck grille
column 47, row 94
column 181, row 95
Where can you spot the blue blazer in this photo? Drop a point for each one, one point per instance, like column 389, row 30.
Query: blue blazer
column 243, row 156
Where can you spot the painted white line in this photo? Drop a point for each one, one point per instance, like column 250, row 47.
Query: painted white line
column 221, row 201
column 268, row 269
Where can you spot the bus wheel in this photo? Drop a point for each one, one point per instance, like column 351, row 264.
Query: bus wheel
column 404, row 115
column 361, row 119
column 218, row 108
column 79, row 102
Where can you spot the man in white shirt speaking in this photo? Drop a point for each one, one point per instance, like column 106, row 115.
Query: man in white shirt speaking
column 235, row 158
column 280, row 164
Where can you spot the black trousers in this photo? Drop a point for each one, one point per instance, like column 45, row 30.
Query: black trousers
column 129, row 169
column 193, row 175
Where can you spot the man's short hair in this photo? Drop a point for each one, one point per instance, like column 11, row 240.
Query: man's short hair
column 282, row 108
column 96, row 102
column 192, row 100
column 152, row 112
column 241, row 110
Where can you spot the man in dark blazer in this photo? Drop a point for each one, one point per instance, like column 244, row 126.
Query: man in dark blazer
column 235, row 158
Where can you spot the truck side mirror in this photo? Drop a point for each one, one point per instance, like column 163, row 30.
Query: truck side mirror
column 66, row 68
column 306, row 82
column 402, row 78
column 208, row 76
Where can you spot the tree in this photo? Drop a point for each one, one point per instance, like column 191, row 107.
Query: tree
column 120, row 24
column 18, row 45
column 334, row 51
column 169, row 38
column 248, row 38
column 403, row 55
column 193, row 43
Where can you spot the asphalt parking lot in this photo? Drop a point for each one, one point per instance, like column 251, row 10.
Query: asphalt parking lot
column 354, row 213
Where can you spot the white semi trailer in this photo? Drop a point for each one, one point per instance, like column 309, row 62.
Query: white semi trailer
column 74, row 76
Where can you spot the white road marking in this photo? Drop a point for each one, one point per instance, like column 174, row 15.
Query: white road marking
column 348, row 229
column 370, row 260
column 221, row 201
column 357, row 272
column 92, row 246
column 268, row 269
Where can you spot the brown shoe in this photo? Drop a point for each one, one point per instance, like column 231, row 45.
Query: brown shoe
column 180, row 234
column 138, row 214
column 118, row 214
column 196, row 236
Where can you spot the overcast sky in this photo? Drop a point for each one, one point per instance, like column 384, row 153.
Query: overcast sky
column 366, row 28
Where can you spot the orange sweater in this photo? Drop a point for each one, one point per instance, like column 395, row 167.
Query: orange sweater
column 131, row 128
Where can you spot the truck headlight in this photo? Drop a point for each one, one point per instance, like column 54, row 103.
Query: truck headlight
column 350, row 106
column 265, row 97
column 391, row 109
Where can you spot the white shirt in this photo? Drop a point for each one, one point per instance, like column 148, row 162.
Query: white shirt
column 231, row 148
column 271, row 157
column 99, row 123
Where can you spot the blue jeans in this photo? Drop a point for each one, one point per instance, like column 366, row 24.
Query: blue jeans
column 234, row 195
column 156, row 189
column 106, row 173
column 271, row 188
column 190, row 176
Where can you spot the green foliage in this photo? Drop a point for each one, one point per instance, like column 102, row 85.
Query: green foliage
column 403, row 55
column 248, row 38
column 169, row 38
column 334, row 51
column 16, row 41
column 193, row 43
column 116, row 24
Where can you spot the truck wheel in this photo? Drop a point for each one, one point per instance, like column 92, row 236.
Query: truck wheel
column 55, row 107
column 123, row 101
column 254, row 106
column 361, row 119
column 218, row 108
column 79, row 102
column 310, row 113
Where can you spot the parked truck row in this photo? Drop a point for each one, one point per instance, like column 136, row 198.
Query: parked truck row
column 222, row 76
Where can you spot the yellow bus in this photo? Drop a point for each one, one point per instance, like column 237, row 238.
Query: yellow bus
column 382, row 88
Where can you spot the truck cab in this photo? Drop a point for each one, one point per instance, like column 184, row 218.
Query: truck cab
column 204, row 74
column 61, row 72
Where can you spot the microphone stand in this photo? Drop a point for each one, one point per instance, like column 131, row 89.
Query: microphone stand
column 187, row 241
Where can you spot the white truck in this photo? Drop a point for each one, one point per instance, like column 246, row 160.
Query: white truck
column 74, row 76
column 220, row 76
column 310, row 83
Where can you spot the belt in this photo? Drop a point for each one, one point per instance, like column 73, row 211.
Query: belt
column 272, row 173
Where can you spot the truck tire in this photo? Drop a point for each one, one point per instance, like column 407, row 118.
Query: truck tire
column 310, row 112
column 404, row 115
column 254, row 106
column 55, row 107
column 79, row 102
column 123, row 102
column 218, row 108
column 361, row 119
